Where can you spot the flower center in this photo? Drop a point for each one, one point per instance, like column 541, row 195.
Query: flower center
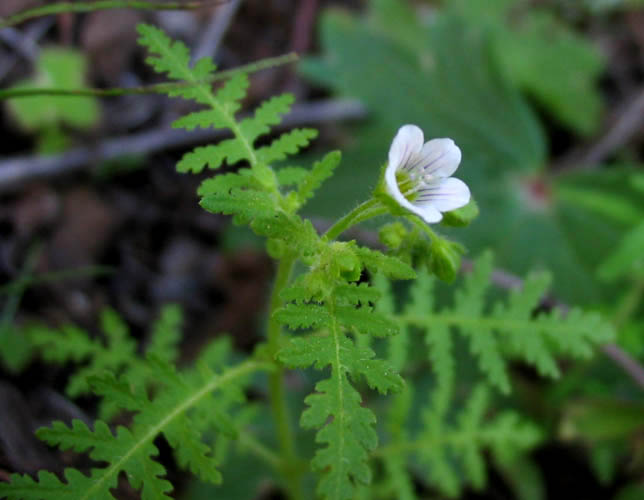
column 409, row 183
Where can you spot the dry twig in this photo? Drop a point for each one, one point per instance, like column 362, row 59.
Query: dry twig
column 15, row 172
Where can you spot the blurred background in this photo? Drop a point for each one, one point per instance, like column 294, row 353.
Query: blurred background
column 544, row 97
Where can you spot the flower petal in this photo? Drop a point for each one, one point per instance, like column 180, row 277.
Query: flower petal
column 407, row 143
column 427, row 212
column 444, row 194
column 438, row 157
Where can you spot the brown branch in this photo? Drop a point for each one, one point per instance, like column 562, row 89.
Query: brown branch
column 628, row 121
column 15, row 172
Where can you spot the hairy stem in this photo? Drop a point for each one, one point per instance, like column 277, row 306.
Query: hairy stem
column 276, row 389
column 423, row 227
column 367, row 210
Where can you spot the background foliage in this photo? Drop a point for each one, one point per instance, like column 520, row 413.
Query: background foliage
column 380, row 380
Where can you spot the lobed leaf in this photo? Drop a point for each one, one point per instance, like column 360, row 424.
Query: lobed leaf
column 509, row 329
column 321, row 171
column 289, row 143
column 267, row 114
column 391, row 267
column 303, row 315
column 365, row 321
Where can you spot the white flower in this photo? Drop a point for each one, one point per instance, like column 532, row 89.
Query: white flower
column 418, row 175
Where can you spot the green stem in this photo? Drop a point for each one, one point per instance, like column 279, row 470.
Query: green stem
column 276, row 389
column 270, row 62
column 63, row 7
column 423, row 227
column 367, row 210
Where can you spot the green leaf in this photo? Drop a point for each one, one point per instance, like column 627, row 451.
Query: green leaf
column 166, row 56
column 166, row 334
column 391, row 267
column 56, row 68
column 364, row 320
column 303, row 315
column 321, row 171
column 298, row 234
column 291, row 176
column 73, row 344
column 628, row 257
column 211, row 156
column 447, row 83
column 132, row 450
column 228, row 101
column 444, row 447
column 116, row 355
column 357, row 293
column 248, row 203
column 349, row 435
column 268, row 113
column 451, row 83
column 543, row 56
column 289, row 143
column 508, row 330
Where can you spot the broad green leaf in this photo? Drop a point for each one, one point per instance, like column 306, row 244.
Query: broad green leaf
column 543, row 56
column 452, row 84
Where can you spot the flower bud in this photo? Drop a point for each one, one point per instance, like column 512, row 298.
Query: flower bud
column 392, row 235
column 445, row 259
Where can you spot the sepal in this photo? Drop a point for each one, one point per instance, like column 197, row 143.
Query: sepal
column 463, row 216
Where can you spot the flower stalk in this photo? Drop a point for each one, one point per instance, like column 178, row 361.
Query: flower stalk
column 370, row 208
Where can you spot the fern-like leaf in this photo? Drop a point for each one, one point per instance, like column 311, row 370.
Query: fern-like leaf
column 391, row 267
column 248, row 204
column 268, row 113
column 289, row 143
column 303, row 315
column 321, row 171
column 166, row 56
column 509, row 329
column 131, row 450
column 73, row 344
column 349, row 436
column 291, row 176
column 365, row 321
column 212, row 156
column 117, row 355
column 443, row 447
column 166, row 334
